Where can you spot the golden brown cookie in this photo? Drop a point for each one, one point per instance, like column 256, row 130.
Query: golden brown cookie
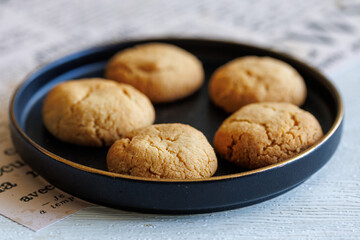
column 255, row 79
column 261, row 134
column 163, row 72
column 173, row 151
column 95, row 112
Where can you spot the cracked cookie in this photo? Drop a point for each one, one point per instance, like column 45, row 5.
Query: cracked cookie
column 172, row 151
column 95, row 112
column 253, row 79
column 261, row 134
column 163, row 72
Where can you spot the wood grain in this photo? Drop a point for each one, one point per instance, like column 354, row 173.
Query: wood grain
column 327, row 206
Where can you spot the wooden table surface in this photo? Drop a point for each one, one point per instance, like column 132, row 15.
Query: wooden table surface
column 326, row 206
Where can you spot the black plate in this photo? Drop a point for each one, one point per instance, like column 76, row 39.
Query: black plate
column 81, row 171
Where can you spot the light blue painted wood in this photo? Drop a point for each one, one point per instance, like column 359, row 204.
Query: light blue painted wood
column 327, row 206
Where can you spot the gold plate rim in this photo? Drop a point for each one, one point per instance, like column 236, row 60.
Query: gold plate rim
column 326, row 81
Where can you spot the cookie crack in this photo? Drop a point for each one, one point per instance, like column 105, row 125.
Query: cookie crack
column 153, row 172
column 295, row 123
column 269, row 107
column 87, row 95
column 134, row 100
column 174, row 153
column 97, row 128
column 119, row 66
column 231, row 147
column 72, row 107
column 118, row 133
column 174, row 139
column 126, row 93
column 98, row 136
column 183, row 161
column 170, row 140
column 271, row 139
column 130, row 170
column 153, row 145
column 164, row 138
column 263, row 125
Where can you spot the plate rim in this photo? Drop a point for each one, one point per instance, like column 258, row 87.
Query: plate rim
column 45, row 66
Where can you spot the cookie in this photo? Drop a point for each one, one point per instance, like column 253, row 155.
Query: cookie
column 253, row 79
column 261, row 134
column 163, row 72
column 95, row 112
column 171, row 151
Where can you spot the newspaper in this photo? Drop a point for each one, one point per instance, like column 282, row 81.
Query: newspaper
column 27, row 198
column 325, row 34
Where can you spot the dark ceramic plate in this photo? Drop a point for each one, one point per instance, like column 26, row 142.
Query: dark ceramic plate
column 81, row 171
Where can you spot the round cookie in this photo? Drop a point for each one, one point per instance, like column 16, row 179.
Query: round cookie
column 172, row 151
column 255, row 79
column 163, row 72
column 95, row 112
column 261, row 134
